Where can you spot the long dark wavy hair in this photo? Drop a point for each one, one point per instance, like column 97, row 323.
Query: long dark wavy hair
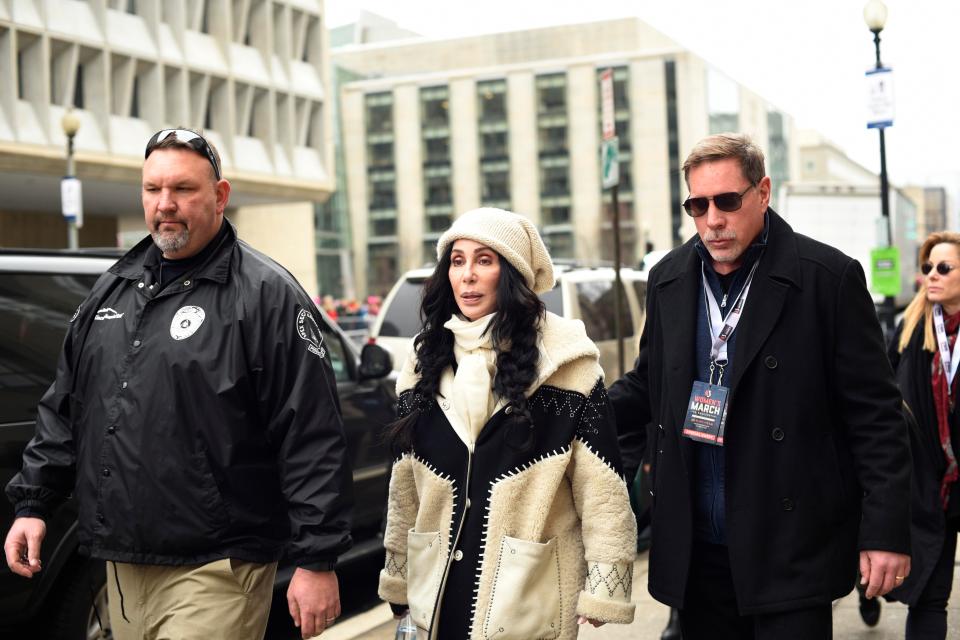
column 514, row 330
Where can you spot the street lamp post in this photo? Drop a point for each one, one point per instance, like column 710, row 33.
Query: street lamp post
column 875, row 15
column 71, row 124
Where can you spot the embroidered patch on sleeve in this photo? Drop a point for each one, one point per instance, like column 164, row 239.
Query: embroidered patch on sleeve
column 309, row 331
column 610, row 581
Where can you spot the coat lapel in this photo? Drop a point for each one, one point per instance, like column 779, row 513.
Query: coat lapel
column 677, row 292
column 779, row 268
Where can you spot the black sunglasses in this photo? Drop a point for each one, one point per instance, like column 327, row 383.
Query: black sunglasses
column 728, row 202
column 193, row 140
column 942, row 268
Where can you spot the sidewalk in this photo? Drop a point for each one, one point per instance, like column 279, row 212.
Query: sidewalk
column 651, row 617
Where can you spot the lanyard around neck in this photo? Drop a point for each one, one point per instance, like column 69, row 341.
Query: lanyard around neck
column 948, row 363
column 718, row 351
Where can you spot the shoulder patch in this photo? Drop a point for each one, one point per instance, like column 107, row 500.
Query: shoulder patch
column 309, row 331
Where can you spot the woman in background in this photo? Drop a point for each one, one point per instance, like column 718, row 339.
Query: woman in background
column 925, row 355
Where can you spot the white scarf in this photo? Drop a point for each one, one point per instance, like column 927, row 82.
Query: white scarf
column 472, row 390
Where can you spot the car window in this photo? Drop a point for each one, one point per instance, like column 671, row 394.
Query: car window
column 402, row 319
column 35, row 310
column 597, row 306
column 553, row 300
column 337, row 354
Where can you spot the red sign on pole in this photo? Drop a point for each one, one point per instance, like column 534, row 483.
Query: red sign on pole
column 606, row 105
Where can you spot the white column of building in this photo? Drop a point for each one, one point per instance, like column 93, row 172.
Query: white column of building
column 464, row 147
column 408, row 150
column 353, row 130
column 693, row 121
column 753, row 119
column 651, row 155
column 286, row 232
column 587, row 211
column 524, row 160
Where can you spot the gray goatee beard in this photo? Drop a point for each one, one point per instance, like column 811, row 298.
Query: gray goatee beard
column 171, row 243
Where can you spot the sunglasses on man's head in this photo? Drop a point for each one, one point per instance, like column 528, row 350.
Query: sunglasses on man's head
column 728, row 202
column 942, row 268
column 194, row 140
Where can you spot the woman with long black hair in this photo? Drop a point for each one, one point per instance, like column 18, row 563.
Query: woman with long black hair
column 925, row 354
column 508, row 515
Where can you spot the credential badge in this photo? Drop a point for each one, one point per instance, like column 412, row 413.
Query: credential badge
column 308, row 330
column 186, row 321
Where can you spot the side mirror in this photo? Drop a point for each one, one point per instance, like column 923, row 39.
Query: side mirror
column 375, row 362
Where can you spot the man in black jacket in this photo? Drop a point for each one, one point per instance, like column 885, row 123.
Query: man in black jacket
column 195, row 419
column 779, row 456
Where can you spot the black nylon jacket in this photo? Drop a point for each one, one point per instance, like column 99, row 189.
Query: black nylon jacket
column 196, row 422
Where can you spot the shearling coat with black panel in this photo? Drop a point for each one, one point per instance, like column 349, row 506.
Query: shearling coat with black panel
column 511, row 543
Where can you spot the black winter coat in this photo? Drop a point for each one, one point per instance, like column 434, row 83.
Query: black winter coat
column 817, row 457
column 927, row 517
column 195, row 422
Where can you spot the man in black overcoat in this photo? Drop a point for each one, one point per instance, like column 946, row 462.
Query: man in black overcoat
column 780, row 459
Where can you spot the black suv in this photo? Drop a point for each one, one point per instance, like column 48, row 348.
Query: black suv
column 39, row 292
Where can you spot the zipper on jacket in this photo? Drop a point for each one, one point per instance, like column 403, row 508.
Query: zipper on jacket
column 453, row 547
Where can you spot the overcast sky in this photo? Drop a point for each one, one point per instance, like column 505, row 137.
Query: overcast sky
column 806, row 57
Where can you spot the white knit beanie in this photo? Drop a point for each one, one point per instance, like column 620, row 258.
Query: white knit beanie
column 511, row 235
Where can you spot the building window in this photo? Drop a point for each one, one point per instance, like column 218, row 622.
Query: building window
column 437, row 172
column 559, row 243
column 554, row 181
column 493, row 128
column 434, row 105
column 723, row 102
column 778, row 154
column 554, row 163
column 381, row 177
column 552, row 94
column 495, row 186
column 382, row 274
column 379, row 118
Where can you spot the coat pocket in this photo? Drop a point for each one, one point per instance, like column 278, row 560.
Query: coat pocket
column 525, row 599
column 425, row 561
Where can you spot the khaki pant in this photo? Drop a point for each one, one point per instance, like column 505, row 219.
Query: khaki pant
column 222, row 599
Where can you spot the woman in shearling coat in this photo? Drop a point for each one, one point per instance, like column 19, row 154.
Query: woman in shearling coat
column 508, row 515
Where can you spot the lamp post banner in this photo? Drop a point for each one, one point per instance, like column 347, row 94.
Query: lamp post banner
column 607, row 118
column 71, row 198
column 879, row 98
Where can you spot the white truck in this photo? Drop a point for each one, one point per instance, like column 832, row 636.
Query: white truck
column 850, row 219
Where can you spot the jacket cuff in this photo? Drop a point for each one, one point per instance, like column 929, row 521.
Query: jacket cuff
column 318, row 565
column 603, row 610
column 31, row 509
column 606, row 594
column 392, row 589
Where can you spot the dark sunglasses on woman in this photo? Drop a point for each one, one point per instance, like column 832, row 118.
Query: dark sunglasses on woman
column 728, row 202
column 942, row 268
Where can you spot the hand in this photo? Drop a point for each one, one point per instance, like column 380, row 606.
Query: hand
column 585, row 619
column 881, row 571
column 314, row 600
column 23, row 546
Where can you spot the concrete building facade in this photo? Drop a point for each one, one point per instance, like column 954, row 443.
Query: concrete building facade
column 254, row 74
column 932, row 207
column 436, row 127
